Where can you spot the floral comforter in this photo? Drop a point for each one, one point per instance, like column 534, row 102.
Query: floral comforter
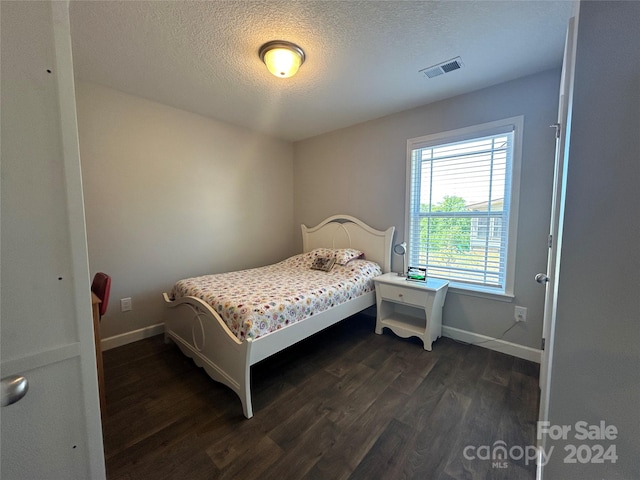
column 261, row 300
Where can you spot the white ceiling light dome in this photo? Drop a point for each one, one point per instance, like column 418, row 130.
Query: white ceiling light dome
column 282, row 58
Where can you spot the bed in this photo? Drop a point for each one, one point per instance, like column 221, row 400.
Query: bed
column 226, row 345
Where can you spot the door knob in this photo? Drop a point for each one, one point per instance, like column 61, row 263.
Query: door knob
column 542, row 278
column 13, row 389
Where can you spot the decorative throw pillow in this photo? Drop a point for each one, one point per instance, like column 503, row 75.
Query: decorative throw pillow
column 345, row 255
column 323, row 263
column 322, row 252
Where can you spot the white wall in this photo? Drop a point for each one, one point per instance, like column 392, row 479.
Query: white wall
column 170, row 194
column 596, row 359
column 361, row 171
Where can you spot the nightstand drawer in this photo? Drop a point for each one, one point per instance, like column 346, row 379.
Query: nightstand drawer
column 402, row 294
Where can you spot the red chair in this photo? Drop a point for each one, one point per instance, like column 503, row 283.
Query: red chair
column 101, row 286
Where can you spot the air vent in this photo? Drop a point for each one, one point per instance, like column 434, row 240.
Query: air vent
column 444, row 67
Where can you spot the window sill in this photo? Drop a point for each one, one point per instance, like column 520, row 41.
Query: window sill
column 489, row 294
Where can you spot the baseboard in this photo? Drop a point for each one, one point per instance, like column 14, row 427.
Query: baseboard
column 130, row 337
column 502, row 346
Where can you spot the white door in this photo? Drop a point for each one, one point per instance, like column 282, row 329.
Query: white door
column 563, row 128
column 46, row 332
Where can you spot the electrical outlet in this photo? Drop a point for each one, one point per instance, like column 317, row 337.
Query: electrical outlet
column 520, row 314
column 125, row 304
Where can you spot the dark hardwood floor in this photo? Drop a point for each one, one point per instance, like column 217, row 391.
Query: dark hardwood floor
column 346, row 403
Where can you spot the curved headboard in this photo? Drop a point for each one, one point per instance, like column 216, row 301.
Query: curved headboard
column 344, row 231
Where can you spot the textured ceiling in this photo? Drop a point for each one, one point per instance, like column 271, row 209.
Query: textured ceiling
column 363, row 57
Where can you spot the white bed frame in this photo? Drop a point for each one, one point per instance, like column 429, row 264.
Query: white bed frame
column 203, row 336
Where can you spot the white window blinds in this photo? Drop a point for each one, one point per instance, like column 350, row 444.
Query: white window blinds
column 459, row 207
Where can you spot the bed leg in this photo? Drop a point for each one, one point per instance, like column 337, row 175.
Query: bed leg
column 245, row 395
column 246, row 406
column 245, row 384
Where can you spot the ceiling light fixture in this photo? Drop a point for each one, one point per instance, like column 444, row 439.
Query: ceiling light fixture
column 281, row 58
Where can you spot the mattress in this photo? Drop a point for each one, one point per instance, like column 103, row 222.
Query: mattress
column 261, row 300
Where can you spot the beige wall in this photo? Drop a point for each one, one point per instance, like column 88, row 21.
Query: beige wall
column 170, row 194
column 361, row 171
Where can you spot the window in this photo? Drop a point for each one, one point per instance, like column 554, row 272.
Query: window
column 463, row 189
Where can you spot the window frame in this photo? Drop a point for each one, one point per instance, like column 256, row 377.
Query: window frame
column 515, row 124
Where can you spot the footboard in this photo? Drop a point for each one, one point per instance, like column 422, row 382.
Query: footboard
column 203, row 336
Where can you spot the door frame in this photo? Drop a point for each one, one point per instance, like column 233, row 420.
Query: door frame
column 563, row 132
column 78, row 234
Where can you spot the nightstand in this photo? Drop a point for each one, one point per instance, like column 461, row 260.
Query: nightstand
column 410, row 309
